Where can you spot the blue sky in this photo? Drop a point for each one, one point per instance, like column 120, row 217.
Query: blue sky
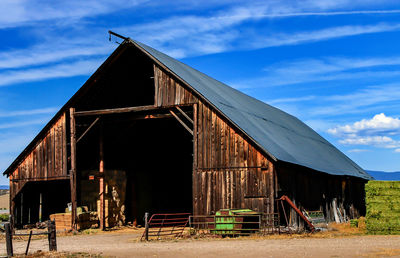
column 333, row 64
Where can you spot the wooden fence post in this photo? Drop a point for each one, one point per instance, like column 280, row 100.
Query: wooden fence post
column 9, row 243
column 51, row 227
column 146, row 226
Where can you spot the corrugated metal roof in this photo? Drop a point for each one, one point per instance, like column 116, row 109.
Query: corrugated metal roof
column 279, row 134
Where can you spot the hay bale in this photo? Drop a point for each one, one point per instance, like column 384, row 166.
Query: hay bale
column 383, row 207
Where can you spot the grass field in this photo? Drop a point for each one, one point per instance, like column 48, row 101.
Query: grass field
column 383, row 207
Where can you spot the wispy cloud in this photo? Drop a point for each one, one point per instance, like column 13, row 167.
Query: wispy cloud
column 50, row 72
column 300, row 14
column 39, row 111
column 357, row 150
column 22, row 12
column 324, row 69
column 360, row 100
column 41, row 54
column 22, row 124
column 289, row 100
column 377, row 141
column 320, row 35
column 222, row 31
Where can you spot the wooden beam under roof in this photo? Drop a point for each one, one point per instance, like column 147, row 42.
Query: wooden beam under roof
column 122, row 110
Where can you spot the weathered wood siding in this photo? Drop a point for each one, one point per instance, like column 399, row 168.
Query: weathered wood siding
column 169, row 92
column 230, row 172
column 47, row 161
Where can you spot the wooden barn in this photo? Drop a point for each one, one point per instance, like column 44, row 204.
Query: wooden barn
column 155, row 135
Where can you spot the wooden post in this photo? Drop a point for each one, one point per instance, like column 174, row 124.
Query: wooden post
column 51, row 228
column 40, row 207
column 101, row 182
column 194, row 172
column 73, row 167
column 146, row 226
column 12, row 204
column 9, row 243
column 29, row 242
column 22, row 208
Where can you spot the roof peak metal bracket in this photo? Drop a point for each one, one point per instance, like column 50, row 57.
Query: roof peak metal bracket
column 116, row 35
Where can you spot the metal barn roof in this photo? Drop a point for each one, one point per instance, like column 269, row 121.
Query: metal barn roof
column 283, row 136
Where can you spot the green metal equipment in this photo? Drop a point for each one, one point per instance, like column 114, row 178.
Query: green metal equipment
column 235, row 222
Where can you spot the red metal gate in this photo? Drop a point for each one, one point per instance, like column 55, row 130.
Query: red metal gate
column 168, row 224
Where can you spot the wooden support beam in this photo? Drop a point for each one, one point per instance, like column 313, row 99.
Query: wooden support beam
column 181, row 122
column 73, row 167
column 88, row 129
column 184, row 114
column 101, row 181
column 194, row 170
column 124, row 110
column 115, row 111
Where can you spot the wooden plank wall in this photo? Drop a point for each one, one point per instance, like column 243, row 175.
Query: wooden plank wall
column 169, row 92
column 231, row 172
column 47, row 161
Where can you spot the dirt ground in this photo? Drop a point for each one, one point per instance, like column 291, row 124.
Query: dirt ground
column 126, row 244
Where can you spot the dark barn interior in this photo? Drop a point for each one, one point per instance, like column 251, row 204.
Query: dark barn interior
column 315, row 191
column 51, row 196
column 156, row 156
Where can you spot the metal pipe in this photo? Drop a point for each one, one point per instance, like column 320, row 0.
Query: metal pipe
column 146, row 226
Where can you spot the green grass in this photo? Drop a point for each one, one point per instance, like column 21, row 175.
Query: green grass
column 4, row 217
column 383, row 207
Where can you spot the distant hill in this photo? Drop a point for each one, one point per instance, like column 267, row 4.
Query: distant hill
column 4, row 187
column 385, row 176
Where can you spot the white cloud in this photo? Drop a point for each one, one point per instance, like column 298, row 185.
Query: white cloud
column 378, row 131
column 378, row 124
